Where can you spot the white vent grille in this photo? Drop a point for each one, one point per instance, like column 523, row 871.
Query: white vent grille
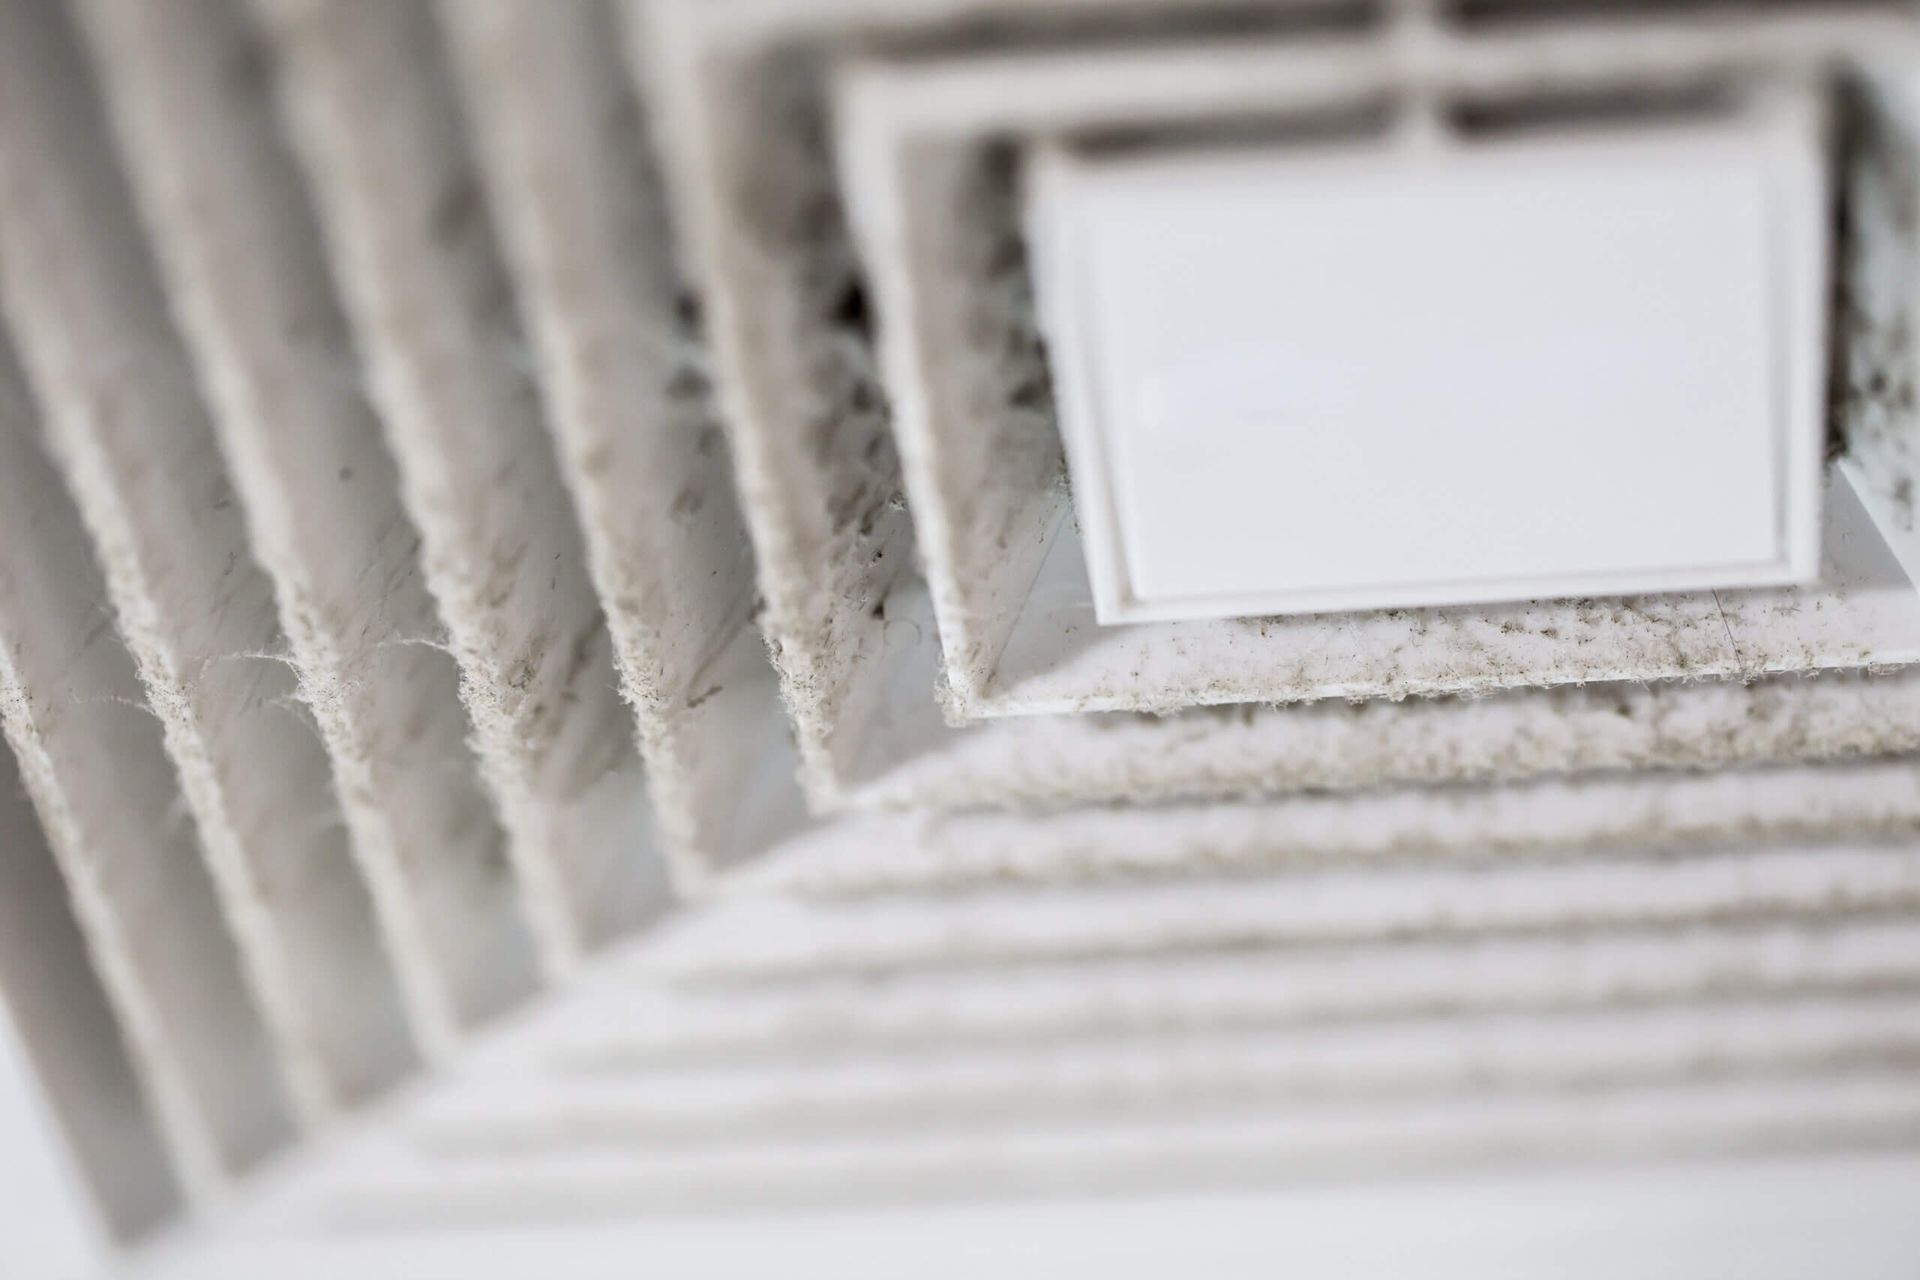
column 215, row 180
column 394, row 507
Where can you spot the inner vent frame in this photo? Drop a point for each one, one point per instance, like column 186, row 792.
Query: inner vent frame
column 829, row 563
column 982, row 462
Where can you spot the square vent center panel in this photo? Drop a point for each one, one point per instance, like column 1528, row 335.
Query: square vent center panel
column 1430, row 370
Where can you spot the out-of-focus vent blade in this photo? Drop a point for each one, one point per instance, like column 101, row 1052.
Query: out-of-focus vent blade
column 563, row 146
column 66, row 1023
column 128, row 429
column 374, row 118
column 191, row 95
column 93, row 761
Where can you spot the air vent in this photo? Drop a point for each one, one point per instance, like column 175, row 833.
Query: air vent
column 922, row 145
column 421, row 424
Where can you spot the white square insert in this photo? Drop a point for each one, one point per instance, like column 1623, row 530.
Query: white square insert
column 1391, row 375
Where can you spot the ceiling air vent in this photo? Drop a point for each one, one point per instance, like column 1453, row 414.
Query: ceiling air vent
column 735, row 592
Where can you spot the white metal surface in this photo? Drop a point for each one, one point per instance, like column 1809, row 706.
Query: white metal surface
column 1369, row 375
